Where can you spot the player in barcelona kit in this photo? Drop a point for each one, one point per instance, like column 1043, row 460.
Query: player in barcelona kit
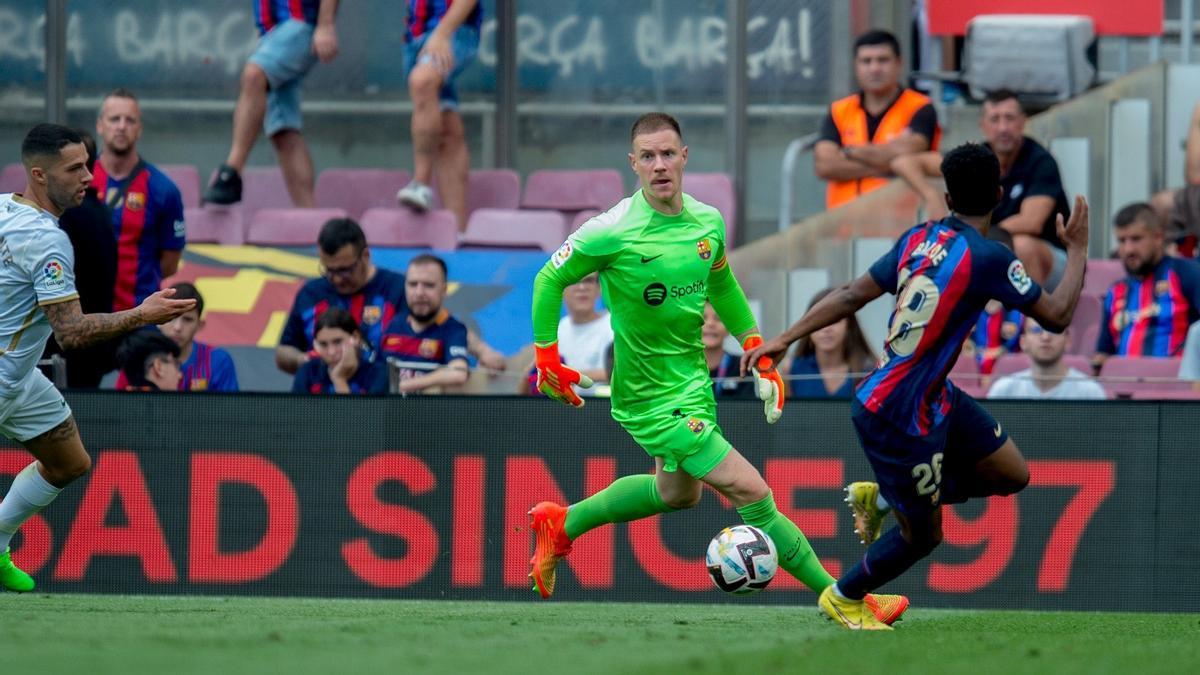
column 927, row 441
column 661, row 257
column 37, row 295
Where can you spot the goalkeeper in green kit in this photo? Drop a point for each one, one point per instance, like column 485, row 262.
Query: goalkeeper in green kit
column 661, row 256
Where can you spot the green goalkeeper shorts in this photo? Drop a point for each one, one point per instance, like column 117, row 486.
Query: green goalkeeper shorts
column 691, row 440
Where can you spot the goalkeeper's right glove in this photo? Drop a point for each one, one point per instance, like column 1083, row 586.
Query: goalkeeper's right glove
column 768, row 384
column 555, row 379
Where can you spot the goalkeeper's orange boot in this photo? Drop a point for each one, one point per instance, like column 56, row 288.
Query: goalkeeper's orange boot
column 886, row 608
column 548, row 522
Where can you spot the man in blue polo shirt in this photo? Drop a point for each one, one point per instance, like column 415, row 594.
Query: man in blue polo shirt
column 427, row 334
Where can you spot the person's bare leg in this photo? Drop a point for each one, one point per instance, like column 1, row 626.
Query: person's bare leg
column 248, row 115
column 297, row 166
column 424, row 82
column 453, row 166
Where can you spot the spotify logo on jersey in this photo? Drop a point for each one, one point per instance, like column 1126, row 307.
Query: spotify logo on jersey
column 654, row 294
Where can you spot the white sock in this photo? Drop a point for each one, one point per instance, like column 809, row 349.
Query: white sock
column 838, row 592
column 881, row 503
column 28, row 495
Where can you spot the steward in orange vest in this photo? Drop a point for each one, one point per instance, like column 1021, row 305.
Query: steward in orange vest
column 853, row 128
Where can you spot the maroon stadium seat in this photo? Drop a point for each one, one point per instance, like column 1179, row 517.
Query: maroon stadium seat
column 582, row 217
column 1101, row 274
column 289, row 227
column 187, row 179
column 262, row 188
column 965, row 374
column 215, row 225
column 12, row 178
column 572, row 190
column 357, row 190
column 1087, row 316
column 1087, row 340
column 1169, row 395
column 1124, row 375
column 491, row 189
column 517, row 229
column 402, row 227
column 715, row 189
column 1008, row 364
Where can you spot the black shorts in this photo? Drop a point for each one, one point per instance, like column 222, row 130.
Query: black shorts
column 909, row 468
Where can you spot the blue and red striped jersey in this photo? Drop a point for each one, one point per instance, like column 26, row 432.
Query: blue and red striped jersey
column 997, row 332
column 313, row 378
column 373, row 307
column 438, row 343
column 424, row 16
column 208, row 368
column 943, row 275
column 1149, row 316
column 271, row 13
column 147, row 219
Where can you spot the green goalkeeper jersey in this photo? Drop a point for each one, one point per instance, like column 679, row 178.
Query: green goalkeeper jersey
column 656, row 273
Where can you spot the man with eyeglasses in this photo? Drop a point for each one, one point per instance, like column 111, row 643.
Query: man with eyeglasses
column 350, row 280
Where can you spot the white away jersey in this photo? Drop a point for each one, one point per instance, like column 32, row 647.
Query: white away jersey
column 37, row 268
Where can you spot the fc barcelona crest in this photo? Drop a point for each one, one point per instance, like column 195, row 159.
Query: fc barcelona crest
column 135, row 201
column 695, row 425
column 371, row 315
column 704, row 249
column 429, row 349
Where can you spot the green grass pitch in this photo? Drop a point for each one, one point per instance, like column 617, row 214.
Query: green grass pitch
column 125, row 634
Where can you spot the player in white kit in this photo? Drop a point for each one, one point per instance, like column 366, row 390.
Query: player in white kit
column 37, row 296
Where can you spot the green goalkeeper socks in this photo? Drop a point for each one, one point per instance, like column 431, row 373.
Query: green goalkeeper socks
column 795, row 554
column 628, row 498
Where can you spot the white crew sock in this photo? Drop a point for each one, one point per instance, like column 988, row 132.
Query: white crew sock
column 28, row 495
column 881, row 503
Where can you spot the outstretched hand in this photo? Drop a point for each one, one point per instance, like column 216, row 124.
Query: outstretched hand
column 161, row 307
column 1074, row 234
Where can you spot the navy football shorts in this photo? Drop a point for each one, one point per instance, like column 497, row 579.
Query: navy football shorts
column 910, row 469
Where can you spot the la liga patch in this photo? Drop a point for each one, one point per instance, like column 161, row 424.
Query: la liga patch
column 53, row 277
column 1018, row 278
column 563, row 254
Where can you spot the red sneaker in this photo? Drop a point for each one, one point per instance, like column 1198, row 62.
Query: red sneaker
column 886, row 608
column 548, row 522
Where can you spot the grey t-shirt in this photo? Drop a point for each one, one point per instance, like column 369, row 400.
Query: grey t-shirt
column 1189, row 367
column 1075, row 385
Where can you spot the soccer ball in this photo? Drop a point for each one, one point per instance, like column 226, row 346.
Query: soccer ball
column 741, row 560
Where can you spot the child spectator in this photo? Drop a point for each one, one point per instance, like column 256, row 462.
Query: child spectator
column 341, row 366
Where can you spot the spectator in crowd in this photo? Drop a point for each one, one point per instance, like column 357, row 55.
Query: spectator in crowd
column 294, row 35
column 1033, row 194
column 427, row 334
column 1049, row 377
column 205, row 368
column 350, row 280
column 722, row 366
column 147, row 209
column 584, row 334
column 998, row 330
column 89, row 228
column 864, row 132
column 1189, row 365
column 1148, row 312
column 440, row 40
column 342, row 366
column 1180, row 209
column 825, row 361
column 149, row 361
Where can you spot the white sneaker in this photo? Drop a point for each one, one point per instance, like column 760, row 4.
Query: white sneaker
column 416, row 196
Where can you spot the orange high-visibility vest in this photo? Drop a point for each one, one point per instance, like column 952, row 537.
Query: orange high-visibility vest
column 851, row 121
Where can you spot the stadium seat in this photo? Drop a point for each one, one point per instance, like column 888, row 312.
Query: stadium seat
column 12, row 178
column 965, row 374
column 1087, row 316
column 1124, row 375
column 187, row 179
column 214, row 225
column 582, row 217
column 715, row 189
column 515, row 229
column 289, row 227
column 357, row 190
column 492, row 189
column 437, row 229
column 1008, row 364
column 570, row 190
column 1169, row 395
column 262, row 188
column 1101, row 274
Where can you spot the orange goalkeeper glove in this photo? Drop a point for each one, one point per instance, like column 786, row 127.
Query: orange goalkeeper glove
column 768, row 384
column 555, row 379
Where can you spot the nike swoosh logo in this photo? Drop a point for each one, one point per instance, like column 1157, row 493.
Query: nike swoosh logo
column 651, row 258
column 997, row 430
column 852, row 625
